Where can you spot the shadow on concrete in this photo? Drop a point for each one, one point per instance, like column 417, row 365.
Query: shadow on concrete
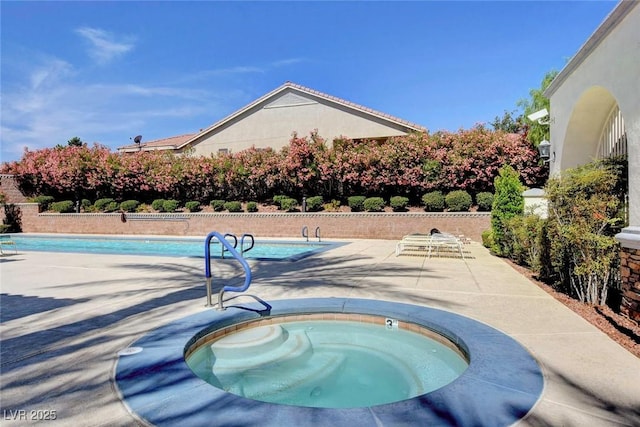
column 16, row 306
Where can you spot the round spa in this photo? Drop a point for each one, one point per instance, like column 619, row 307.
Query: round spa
column 328, row 361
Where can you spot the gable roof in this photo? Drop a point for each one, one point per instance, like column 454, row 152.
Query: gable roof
column 180, row 142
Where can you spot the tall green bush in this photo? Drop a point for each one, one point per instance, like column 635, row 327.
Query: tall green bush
column 458, row 201
column 507, row 203
column 584, row 216
column 433, row 201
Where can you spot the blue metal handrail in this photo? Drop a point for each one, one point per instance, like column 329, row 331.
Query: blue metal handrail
column 207, row 268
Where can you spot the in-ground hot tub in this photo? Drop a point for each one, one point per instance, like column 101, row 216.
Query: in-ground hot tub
column 500, row 385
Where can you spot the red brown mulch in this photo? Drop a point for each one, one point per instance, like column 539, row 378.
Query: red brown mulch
column 619, row 328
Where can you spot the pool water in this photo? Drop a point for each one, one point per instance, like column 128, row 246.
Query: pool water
column 188, row 247
column 327, row 364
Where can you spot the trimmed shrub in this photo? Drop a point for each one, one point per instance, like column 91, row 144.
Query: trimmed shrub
column 374, row 204
column 314, row 204
column 277, row 200
column 356, row 203
column 523, row 240
column 233, row 206
column 458, row 201
column 484, row 201
column 217, row 205
column 112, row 207
column 102, row 204
column 129, row 205
column 252, row 207
column 433, row 201
column 66, row 206
column 289, row 204
column 399, row 203
column 43, row 202
column 170, row 205
column 193, row 206
column 158, row 205
column 487, row 239
column 86, row 204
column 507, row 203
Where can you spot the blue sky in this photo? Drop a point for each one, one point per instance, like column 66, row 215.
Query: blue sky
column 107, row 71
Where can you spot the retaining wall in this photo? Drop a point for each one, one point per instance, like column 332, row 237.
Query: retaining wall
column 361, row 225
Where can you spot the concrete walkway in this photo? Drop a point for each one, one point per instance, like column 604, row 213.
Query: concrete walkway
column 65, row 317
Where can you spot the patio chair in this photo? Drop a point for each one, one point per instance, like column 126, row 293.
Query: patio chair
column 5, row 241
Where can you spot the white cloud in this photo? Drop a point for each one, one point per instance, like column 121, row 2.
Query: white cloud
column 103, row 45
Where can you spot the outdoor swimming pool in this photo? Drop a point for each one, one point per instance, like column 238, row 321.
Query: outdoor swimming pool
column 162, row 246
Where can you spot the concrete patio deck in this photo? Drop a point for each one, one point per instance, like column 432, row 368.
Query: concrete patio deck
column 65, row 317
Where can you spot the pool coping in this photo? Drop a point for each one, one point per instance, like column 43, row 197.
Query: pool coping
column 500, row 386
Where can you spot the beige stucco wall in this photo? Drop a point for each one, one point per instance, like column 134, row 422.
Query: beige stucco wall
column 271, row 124
column 580, row 105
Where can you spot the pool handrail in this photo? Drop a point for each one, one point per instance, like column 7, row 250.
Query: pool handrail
column 318, row 233
column 207, row 268
column 305, row 232
column 242, row 248
column 235, row 243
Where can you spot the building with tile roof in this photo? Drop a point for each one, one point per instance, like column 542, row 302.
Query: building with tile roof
column 270, row 121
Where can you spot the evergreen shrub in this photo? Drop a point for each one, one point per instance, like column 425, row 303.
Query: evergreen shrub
column 101, row 205
column 458, row 201
column 217, row 205
column 399, row 203
column 484, row 200
column 374, row 204
column 356, row 203
column 193, row 206
column 314, row 203
column 158, row 205
column 233, row 206
column 129, row 205
column 252, row 207
column 65, row 206
column 43, row 202
column 111, row 207
column 288, row 204
column 507, row 203
column 433, row 201
column 170, row 205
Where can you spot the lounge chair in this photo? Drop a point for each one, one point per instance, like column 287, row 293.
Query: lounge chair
column 419, row 243
column 5, row 240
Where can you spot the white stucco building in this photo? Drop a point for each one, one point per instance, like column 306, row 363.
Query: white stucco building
column 270, row 121
column 595, row 113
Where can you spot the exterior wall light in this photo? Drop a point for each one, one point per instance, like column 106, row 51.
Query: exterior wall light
column 544, row 148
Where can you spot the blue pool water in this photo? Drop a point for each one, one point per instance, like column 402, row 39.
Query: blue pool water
column 187, row 247
column 327, row 364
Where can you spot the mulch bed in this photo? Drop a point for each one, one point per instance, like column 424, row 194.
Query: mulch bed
column 619, row 328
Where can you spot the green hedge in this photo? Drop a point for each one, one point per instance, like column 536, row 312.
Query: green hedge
column 103, row 204
column 65, row 206
column 433, row 201
column 170, row 205
column 129, row 205
column 315, row 203
column 252, row 207
column 399, row 203
column 458, row 201
column 217, row 205
column 374, row 204
column 484, row 201
column 233, row 206
column 356, row 203
column 193, row 206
